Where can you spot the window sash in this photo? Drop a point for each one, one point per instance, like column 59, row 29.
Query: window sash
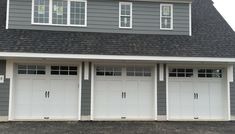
column 67, row 16
column 170, row 16
column 128, row 24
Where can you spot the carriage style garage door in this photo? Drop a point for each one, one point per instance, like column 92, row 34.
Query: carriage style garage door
column 46, row 92
column 124, row 93
column 197, row 94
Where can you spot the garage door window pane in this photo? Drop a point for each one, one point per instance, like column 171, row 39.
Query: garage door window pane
column 22, row 72
column 64, row 70
column 139, row 71
column 31, row 69
column 108, row 71
column 210, row 73
column 180, row 72
column 100, row 71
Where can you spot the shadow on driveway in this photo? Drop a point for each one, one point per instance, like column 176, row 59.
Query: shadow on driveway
column 117, row 128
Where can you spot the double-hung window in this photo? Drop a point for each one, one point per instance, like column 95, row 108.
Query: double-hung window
column 60, row 12
column 40, row 11
column 125, row 15
column 166, row 16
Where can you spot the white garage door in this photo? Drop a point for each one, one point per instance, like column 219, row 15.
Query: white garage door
column 196, row 94
column 124, row 93
column 46, row 92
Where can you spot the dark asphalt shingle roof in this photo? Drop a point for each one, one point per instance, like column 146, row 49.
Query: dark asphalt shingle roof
column 212, row 37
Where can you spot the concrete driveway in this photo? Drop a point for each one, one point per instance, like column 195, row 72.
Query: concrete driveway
column 117, row 128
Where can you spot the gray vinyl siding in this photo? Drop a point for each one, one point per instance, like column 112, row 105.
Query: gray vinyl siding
column 103, row 16
column 86, row 93
column 161, row 93
column 232, row 94
column 4, row 91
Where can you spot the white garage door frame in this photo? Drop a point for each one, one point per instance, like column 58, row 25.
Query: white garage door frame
column 11, row 74
column 94, row 64
column 228, row 71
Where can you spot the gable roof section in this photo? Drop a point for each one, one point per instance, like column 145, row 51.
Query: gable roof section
column 212, row 37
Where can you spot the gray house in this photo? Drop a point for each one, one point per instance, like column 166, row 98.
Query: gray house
column 115, row 60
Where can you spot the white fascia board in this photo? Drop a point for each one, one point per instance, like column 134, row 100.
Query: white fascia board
column 5, row 55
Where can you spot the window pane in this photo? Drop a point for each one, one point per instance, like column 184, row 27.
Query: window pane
column 32, row 72
column 55, row 72
column 77, row 13
column 73, row 73
column 64, row 68
column 172, row 74
column 22, row 72
column 55, row 68
column 41, row 11
column 22, row 67
column 59, row 12
column 130, row 74
column 166, row 11
column 125, row 21
column 41, row 72
column 72, row 68
column 166, row 22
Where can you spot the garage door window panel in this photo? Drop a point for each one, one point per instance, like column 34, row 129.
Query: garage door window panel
column 210, row 73
column 180, row 72
column 63, row 70
column 108, row 71
column 139, row 71
column 31, row 69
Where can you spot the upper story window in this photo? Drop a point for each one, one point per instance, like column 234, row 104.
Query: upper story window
column 125, row 15
column 41, row 11
column 166, row 17
column 60, row 12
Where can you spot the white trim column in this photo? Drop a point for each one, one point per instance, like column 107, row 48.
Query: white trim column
column 229, row 80
column 9, row 75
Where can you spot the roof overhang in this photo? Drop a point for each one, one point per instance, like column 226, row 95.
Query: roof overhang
column 5, row 55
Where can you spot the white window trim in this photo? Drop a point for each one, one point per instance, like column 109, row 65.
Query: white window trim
column 126, row 3
column 68, row 15
column 171, row 5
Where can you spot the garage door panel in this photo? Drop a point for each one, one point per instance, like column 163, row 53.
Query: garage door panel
column 186, row 94
column 128, row 95
column 101, row 105
column 38, row 97
column 23, row 91
column 217, row 107
column 114, row 105
column 45, row 95
column 174, row 100
column 199, row 96
column 203, row 102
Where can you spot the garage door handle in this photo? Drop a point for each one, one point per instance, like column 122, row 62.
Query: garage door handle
column 122, row 95
column 48, row 94
column 196, row 96
column 45, row 94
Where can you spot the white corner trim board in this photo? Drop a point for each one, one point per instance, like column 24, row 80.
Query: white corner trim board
column 190, row 19
column 86, row 71
column 230, row 73
column 7, row 14
column 112, row 57
column 161, row 72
